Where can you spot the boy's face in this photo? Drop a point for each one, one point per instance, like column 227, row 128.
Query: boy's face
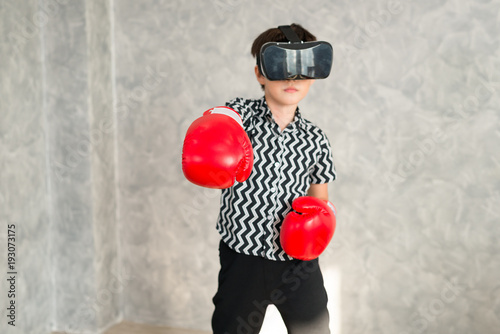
column 285, row 92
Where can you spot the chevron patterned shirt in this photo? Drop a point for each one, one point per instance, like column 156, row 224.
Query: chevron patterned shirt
column 285, row 164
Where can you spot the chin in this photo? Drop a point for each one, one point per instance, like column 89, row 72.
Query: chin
column 292, row 99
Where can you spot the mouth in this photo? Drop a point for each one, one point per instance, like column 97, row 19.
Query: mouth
column 291, row 90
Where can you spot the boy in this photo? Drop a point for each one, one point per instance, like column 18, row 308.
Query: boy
column 291, row 159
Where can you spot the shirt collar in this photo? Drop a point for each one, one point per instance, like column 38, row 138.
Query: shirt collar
column 266, row 112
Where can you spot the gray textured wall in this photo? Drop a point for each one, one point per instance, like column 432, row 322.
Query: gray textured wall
column 58, row 184
column 96, row 97
column 24, row 195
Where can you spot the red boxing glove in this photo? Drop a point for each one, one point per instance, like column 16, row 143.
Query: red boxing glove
column 306, row 233
column 217, row 150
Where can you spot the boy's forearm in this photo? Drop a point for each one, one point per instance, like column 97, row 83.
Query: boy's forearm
column 319, row 191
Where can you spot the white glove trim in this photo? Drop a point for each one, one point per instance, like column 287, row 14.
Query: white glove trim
column 332, row 207
column 228, row 112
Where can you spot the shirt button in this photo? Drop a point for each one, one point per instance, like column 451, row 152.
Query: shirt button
column 280, row 138
column 276, row 164
column 273, row 189
column 269, row 217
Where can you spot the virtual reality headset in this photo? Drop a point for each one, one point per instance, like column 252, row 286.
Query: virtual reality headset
column 295, row 59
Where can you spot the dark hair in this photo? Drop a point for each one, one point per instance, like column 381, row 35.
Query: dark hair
column 276, row 35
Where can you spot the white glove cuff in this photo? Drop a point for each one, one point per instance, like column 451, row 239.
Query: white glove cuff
column 228, row 112
column 332, row 207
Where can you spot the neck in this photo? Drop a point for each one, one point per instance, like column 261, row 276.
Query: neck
column 282, row 114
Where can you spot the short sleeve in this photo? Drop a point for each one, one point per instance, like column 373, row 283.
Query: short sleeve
column 324, row 170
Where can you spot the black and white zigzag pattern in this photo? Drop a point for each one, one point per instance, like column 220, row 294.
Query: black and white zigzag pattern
column 285, row 164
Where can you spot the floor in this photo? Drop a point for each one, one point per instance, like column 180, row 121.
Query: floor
column 126, row 327
column 132, row 328
column 273, row 324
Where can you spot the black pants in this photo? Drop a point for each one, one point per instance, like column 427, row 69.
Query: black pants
column 248, row 284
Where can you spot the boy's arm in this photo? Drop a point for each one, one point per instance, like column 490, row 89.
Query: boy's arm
column 319, row 191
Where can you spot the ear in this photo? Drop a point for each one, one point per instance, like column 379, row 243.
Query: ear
column 260, row 78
